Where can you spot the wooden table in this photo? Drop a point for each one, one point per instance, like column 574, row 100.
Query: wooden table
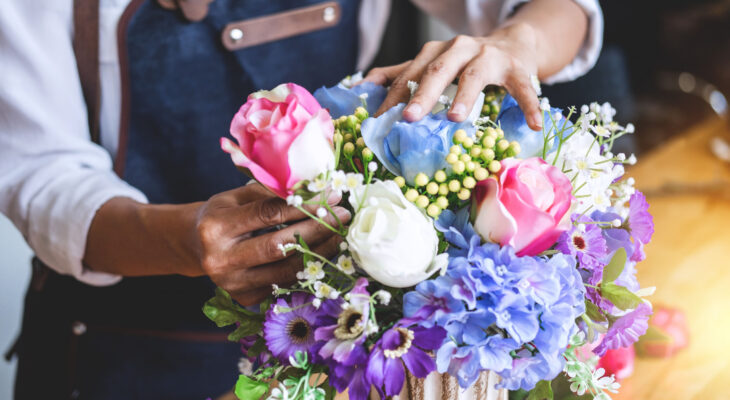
column 688, row 190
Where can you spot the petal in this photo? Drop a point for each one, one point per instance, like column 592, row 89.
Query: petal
column 395, row 376
column 374, row 132
column 532, row 223
column 311, row 153
column 493, row 222
column 418, row 362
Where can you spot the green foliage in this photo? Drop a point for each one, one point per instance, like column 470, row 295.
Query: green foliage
column 250, row 389
column 224, row 312
column 542, row 391
column 615, row 267
column 594, row 313
column 620, row 296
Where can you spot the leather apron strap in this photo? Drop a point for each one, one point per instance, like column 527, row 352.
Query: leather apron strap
column 86, row 50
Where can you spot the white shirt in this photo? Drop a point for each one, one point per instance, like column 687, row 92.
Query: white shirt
column 53, row 179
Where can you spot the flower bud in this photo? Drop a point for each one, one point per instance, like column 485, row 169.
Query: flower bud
column 421, row 179
column 352, row 122
column 360, row 142
column 467, row 143
column 411, row 195
column 465, row 158
column 459, row 167
column 439, row 176
column 348, row 149
column 500, row 133
column 514, row 149
column 422, row 201
column 481, row 174
column 454, row 185
column 460, row 136
column 471, row 166
column 452, row 158
column 432, row 188
column 361, row 113
column 494, row 166
column 464, row 194
column 367, row 155
column 488, row 155
column 469, row 182
column 502, row 146
column 475, row 151
column 443, row 189
column 348, row 137
column 433, row 210
column 442, row 202
column 400, row 181
column 337, row 137
column 491, row 132
column 456, row 149
column 488, row 142
column 479, row 134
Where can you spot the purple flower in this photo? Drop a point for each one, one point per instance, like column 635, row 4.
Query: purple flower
column 431, row 303
column 458, row 231
column 527, row 370
column 626, row 330
column 584, row 241
column 461, row 362
column 290, row 331
column 641, row 224
column 401, row 346
column 344, row 325
column 351, row 376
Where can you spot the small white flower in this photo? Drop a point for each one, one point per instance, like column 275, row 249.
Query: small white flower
column 274, row 289
column 338, row 181
column 601, row 131
column 443, row 99
column 277, row 309
column 294, row 200
column 364, row 96
column 621, row 156
column 317, row 185
column 245, row 366
column 372, row 166
column 353, row 180
column 383, row 297
column 343, row 246
column 371, row 328
column 325, row 291
column 631, row 160
column 630, row 128
column 591, row 116
column 321, row 212
column 616, row 223
column 584, row 109
column 313, row 271
column 412, row 86
column 545, row 104
column 316, row 303
column 345, row 264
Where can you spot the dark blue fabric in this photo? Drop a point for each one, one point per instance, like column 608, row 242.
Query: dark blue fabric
column 185, row 88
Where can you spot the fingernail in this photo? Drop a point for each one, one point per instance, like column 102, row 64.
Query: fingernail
column 342, row 213
column 414, row 110
column 458, row 109
column 537, row 120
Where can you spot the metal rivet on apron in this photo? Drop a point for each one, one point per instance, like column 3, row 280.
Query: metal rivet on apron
column 329, row 14
column 236, row 34
column 78, row 328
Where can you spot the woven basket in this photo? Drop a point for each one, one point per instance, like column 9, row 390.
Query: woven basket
column 445, row 387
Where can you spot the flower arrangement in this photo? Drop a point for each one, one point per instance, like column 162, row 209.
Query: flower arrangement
column 474, row 246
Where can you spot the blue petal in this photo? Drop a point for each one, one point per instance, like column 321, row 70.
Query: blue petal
column 375, row 130
column 376, row 95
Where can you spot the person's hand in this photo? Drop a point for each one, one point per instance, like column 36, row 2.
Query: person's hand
column 245, row 265
column 505, row 58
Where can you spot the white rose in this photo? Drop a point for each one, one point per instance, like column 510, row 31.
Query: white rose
column 390, row 238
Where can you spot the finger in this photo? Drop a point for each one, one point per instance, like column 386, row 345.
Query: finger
column 251, row 297
column 283, row 273
column 475, row 76
column 266, row 248
column 399, row 91
column 519, row 86
column 384, row 75
column 438, row 75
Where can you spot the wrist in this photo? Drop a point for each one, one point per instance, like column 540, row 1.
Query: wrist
column 521, row 41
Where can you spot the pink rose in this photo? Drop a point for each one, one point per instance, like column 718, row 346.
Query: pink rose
column 284, row 136
column 526, row 208
column 618, row 362
column 668, row 333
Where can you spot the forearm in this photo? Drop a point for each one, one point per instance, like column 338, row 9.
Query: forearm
column 557, row 28
column 132, row 239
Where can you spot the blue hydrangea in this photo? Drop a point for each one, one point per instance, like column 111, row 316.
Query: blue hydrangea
column 494, row 304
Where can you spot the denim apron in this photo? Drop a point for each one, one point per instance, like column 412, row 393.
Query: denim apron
column 146, row 338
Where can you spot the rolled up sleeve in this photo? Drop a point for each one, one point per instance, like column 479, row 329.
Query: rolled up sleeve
column 481, row 17
column 53, row 179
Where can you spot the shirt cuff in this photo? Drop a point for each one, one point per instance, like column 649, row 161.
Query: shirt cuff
column 62, row 218
column 589, row 51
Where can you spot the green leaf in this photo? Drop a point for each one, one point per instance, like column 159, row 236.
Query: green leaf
column 247, row 328
column 620, row 296
column 542, row 391
column 305, row 257
column 257, row 348
column 593, row 312
column 615, row 267
column 264, row 306
column 221, row 310
column 249, row 389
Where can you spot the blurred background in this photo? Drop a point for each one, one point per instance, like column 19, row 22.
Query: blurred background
column 664, row 66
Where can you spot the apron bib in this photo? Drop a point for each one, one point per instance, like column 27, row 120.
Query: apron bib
column 181, row 87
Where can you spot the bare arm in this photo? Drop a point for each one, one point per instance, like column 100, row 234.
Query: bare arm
column 539, row 39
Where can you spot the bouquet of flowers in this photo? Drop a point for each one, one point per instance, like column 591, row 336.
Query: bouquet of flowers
column 474, row 246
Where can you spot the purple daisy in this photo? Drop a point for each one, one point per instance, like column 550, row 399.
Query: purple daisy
column 641, row 224
column 584, row 241
column 290, row 331
column 626, row 330
column 401, row 346
column 344, row 325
